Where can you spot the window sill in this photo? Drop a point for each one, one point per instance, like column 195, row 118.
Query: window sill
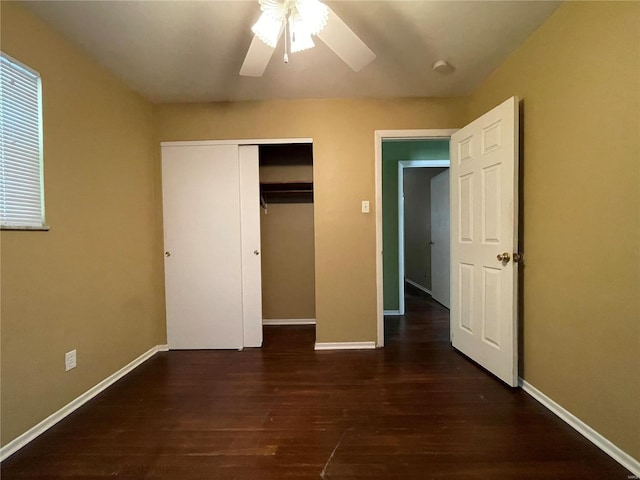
column 44, row 228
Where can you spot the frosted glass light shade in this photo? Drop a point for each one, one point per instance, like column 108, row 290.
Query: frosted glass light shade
column 305, row 18
column 300, row 35
column 313, row 14
column 267, row 29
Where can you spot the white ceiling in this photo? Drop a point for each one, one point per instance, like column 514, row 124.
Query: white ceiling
column 192, row 51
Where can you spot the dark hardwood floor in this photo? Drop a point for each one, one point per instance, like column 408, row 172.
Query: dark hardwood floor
column 413, row 410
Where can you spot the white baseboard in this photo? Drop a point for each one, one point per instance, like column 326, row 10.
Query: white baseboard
column 345, row 346
column 391, row 312
column 418, row 286
column 289, row 321
column 19, row 442
column 589, row 433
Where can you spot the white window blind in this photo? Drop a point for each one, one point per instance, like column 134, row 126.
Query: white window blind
column 21, row 185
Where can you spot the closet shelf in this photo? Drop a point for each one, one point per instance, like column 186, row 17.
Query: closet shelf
column 287, row 192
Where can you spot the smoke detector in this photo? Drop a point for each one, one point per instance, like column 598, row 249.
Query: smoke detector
column 443, row 67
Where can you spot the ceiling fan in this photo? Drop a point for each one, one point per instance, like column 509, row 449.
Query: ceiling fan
column 299, row 20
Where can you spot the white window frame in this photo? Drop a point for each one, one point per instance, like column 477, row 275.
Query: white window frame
column 23, row 223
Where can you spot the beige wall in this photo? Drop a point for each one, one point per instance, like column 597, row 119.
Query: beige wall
column 288, row 274
column 91, row 283
column 287, row 245
column 343, row 173
column 579, row 80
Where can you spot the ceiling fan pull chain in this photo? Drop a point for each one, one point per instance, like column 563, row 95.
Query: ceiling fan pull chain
column 286, row 36
column 293, row 27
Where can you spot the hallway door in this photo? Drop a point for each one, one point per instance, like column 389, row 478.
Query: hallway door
column 484, row 226
column 440, row 238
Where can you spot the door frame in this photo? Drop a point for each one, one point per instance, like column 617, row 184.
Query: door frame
column 244, row 141
column 402, row 164
column 379, row 136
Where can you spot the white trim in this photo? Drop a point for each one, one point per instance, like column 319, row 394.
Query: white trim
column 35, row 431
column 402, row 164
column 392, row 312
column 378, row 210
column 288, row 321
column 345, row 346
column 252, row 141
column 379, row 135
column 619, row 455
column 401, row 271
column 425, row 163
column 418, row 286
column 419, row 134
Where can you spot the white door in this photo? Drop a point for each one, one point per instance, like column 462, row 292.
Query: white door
column 250, row 233
column 484, row 226
column 202, row 240
column 440, row 238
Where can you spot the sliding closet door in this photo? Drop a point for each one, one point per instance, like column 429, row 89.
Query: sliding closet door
column 202, row 240
column 251, row 262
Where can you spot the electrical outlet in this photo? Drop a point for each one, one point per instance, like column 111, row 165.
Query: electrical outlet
column 69, row 360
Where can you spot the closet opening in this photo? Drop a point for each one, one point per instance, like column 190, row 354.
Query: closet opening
column 287, row 234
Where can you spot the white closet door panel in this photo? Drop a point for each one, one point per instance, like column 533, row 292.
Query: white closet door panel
column 202, row 238
column 251, row 253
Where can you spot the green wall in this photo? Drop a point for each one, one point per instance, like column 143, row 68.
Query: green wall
column 394, row 151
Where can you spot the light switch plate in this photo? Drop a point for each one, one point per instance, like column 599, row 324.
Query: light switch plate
column 365, row 206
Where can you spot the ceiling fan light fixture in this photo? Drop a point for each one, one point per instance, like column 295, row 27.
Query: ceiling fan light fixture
column 304, row 18
column 300, row 20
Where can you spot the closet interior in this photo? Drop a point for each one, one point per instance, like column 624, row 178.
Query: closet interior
column 287, row 234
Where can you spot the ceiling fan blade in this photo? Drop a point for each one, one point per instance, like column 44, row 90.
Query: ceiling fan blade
column 346, row 44
column 257, row 59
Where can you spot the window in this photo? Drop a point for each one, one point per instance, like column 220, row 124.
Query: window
column 21, row 183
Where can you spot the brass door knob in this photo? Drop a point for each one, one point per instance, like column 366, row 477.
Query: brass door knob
column 517, row 257
column 256, row 252
column 167, row 254
column 504, row 257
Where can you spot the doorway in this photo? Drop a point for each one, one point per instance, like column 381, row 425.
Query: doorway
column 421, row 237
column 483, row 232
column 380, row 136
